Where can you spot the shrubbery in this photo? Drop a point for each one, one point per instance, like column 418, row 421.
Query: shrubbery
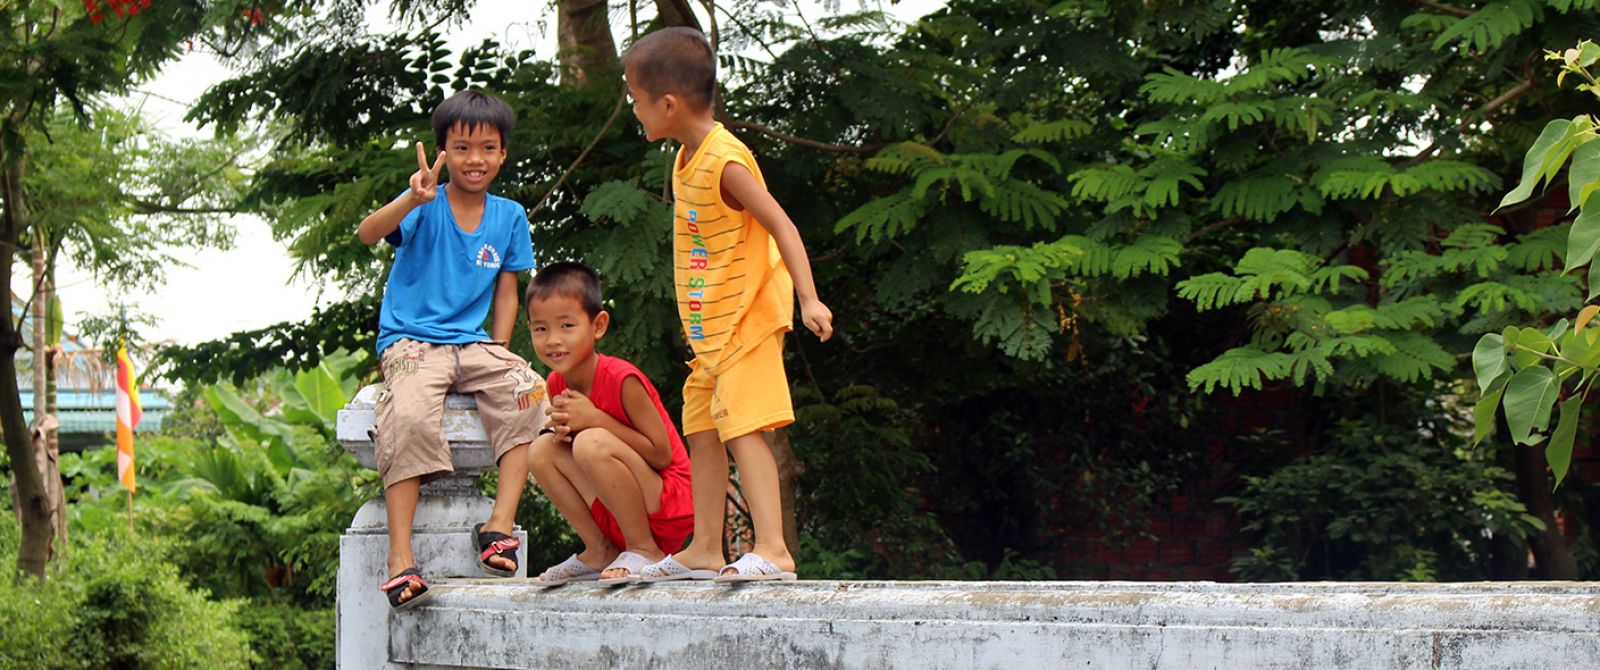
column 115, row 601
column 1396, row 505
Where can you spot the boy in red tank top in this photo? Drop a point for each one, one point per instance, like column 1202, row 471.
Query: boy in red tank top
column 611, row 460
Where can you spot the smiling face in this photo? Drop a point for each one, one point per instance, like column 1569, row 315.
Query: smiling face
column 564, row 335
column 474, row 155
column 655, row 114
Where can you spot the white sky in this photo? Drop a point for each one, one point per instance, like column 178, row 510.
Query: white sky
column 250, row 286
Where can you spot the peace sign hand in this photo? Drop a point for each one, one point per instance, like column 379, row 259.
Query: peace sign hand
column 425, row 181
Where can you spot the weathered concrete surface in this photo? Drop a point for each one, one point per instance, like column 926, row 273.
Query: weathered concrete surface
column 442, row 529
column 882, row 625
column 877, row 625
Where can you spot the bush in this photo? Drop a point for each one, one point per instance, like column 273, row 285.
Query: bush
column 114, row 601
column 1379, row 507
column 289, row 637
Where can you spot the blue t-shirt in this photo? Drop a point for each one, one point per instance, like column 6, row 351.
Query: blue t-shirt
column 442, row 282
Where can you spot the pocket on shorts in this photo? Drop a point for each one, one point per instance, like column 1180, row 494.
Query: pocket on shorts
column 499, row 351
column 401, row 359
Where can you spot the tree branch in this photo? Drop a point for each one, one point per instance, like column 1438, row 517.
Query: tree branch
column 823, row 146
column 615, row 110
column 199, row 183
column 1501, row 100
column 1443, row 8
column 149, row 207
column 1488, row 108
column 1210, row 228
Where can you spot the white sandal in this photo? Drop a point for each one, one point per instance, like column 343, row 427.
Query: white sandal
column 670, row 570
column 626, row 560
column 570, row 570
column 752, row 567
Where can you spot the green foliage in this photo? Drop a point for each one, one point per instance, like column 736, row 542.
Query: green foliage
column 115, row 601
column 115, row 195
column 346, row 326
column 1490, row 26
column 249, row 502
column 1056, row 201
column 285, row 636
column 1379, row 506
column 260, row 498
column 843, row 520
column 1526, row 372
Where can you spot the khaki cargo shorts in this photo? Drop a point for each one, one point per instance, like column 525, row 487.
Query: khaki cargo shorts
column 409, row 441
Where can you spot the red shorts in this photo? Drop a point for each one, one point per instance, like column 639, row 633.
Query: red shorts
column 671, row 525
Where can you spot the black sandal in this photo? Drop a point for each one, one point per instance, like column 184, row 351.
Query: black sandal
column 493, row 543
column 396, row 587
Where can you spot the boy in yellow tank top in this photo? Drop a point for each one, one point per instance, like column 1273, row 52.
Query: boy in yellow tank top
column 738, row 263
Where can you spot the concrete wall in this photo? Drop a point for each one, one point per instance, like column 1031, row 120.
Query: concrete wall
column 1009, row 625
column 472, row 623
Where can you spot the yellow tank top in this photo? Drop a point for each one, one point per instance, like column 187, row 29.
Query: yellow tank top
column 732, row 287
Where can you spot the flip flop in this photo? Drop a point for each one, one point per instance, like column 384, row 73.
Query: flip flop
column 670, row 570
column 570, row 570
column 492, row 543
column 629, row 561
column 396, row 587
column 752, row 567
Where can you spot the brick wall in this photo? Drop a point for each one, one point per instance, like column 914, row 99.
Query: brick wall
column 1191, row 536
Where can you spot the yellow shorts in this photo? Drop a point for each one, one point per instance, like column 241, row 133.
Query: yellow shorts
column 750, row 395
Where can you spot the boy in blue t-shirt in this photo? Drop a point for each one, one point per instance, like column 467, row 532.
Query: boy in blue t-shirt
column 457, row 252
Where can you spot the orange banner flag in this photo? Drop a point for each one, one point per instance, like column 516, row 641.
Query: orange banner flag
column 128, row 415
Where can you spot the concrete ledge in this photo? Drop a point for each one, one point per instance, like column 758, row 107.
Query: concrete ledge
column 510, row 624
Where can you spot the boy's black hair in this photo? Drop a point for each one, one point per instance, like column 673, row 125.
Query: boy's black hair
column 570, row 279
column 472, row 108
column 674, row 60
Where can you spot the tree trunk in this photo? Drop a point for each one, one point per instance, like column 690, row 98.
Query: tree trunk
column 52, row 427
column 676, row 13
column 789, row 469
column 583, row 31
column 32, row 502
column 46, row 457
column 40, row 313
column 1552, row 558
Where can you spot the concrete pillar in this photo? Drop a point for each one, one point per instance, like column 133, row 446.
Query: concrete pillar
column 442, row 534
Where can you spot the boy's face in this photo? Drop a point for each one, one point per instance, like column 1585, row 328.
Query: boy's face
column 653, row 113
column 474, row 156
column 563, row 334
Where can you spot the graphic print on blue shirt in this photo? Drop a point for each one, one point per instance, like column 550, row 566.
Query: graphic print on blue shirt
column 443, row 279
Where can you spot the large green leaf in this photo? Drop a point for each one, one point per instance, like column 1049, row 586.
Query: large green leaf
column 1489, row 359
column 1584, row 238
column 1546, row 148
column 1584, row 175
column 1594, row 281
column 320, row 389
column 1530, row 344
column 1483, row 413
column 232, row 410
column 1530, row 395
column 242, row 420
column 1559, row 451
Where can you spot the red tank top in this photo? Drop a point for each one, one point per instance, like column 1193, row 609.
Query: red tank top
column 606, row 394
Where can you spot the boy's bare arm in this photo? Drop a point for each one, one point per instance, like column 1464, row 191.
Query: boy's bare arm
column 424, row 187
column 577, row 413
column 505, row 307
column 741, row 190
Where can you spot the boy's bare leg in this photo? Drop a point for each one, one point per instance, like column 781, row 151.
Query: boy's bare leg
column 564, row 484
column 628, row 486
column 507, row 493
column 758, row 481
column 400, row 510
column 708, row 465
